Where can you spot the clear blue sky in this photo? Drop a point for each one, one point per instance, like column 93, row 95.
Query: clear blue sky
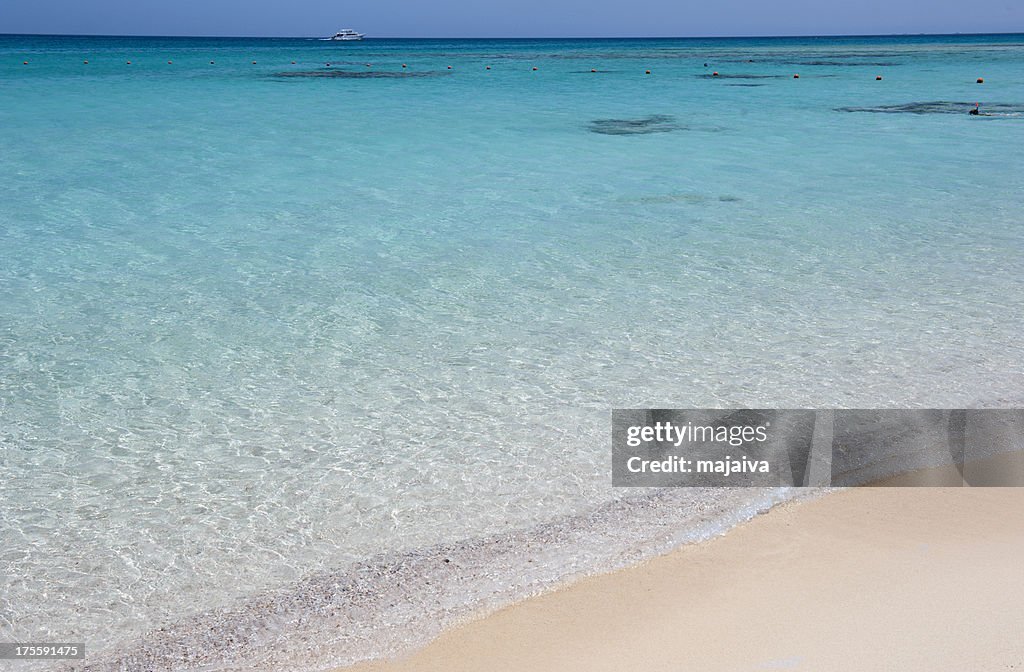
column 523, row 18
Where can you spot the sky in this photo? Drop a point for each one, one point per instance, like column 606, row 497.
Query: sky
column 523, row 18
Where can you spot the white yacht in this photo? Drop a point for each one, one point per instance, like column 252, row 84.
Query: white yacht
column 346, row 34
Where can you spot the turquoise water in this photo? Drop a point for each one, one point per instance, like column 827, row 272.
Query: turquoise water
column 259, row 321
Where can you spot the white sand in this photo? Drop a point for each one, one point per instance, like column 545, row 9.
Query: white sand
column 863, row 579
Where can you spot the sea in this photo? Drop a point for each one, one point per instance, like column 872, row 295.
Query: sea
column 308, row 349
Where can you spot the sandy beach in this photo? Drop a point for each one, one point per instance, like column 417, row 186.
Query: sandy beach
column 861, row 579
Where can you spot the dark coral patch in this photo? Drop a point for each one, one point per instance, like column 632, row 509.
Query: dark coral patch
column 355, row 74
column 941, row 107
column 655, row 123
column 738, row 76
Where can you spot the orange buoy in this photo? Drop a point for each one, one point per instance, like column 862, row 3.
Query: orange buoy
column 647, row 72
column 981, row 80
column 796, row 76
column 715, row 73
column 878, row 78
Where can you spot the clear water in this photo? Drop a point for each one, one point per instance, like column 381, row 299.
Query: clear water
column 256, row 326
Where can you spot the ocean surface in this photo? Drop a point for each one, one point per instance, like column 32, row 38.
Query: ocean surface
column 295, row 348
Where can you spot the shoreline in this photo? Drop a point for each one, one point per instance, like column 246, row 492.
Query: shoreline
column 395, row 603
column 865, row 578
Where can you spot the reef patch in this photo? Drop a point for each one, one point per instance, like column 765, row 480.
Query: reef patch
column 655, row 123
column 738, row 76
column 942, row 107
column 335, row 73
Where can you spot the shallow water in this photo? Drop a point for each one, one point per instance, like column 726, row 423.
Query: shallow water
column 260, row 321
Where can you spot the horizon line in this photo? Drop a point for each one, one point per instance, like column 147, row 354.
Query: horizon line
column 562, row 37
